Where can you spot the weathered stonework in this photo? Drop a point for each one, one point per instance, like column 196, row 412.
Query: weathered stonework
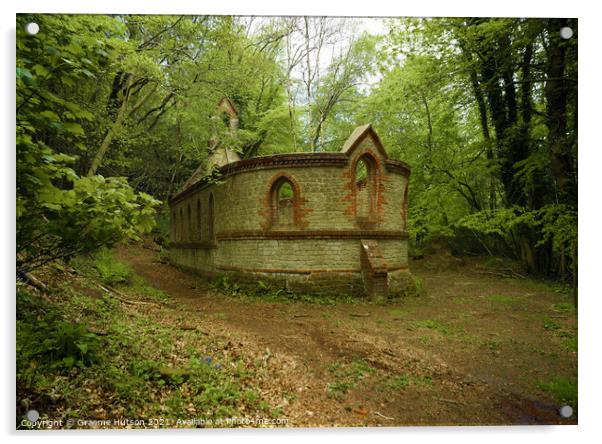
column 313, row 241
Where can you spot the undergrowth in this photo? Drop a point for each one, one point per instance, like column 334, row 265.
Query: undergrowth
column 263, row 291
column 82, row 354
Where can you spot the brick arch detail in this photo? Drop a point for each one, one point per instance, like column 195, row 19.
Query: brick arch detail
column 300, row 209
column 349, row 179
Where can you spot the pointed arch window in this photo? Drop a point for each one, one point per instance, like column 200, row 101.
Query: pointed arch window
column 365, row 191
column 284, row 198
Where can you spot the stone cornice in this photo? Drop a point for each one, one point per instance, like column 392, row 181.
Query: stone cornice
column 292, row 160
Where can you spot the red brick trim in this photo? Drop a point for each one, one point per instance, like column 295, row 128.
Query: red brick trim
column 377, row 200
column 268, row 209
column 311, row 234
column 279, row 161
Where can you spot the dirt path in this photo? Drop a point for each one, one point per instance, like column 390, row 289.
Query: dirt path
column 472, row 350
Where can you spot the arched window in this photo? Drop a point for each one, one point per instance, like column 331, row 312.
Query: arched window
column 365, row 190
column 210, row 216
column 189, row 225
column 283, row 198
column 199, row 234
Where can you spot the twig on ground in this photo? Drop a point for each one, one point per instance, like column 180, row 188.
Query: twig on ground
column 120, row 297
column 30, row 279
column 383, row 416
column 450, row 401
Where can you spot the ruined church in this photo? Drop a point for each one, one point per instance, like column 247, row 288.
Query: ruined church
column 319, row 223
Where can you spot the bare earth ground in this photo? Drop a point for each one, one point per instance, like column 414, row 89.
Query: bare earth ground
column 474, row 349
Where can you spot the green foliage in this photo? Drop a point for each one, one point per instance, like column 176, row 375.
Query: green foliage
column 272, row 292
column 140, row 287
column 564, row 307
column 434, row 325
column 505, row 299
column 136, row 96
column 104, row 266
column 564, row 390
column 556, row 223
column 60, row 213
column 550, row 324
column 45, row 340
column 129, row 368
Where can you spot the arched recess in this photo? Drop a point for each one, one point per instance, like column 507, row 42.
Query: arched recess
column 365, row 190
column 284, row 202
column 211, row 220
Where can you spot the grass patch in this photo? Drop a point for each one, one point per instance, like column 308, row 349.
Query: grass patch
column 425, row 340
column 505, row 299
column 492, row 344
column 397, row 312
column 103, row 266
column 550, row 324
column 347, row 377
column 141, row 287
column 401, row 382
column 563, row 390
column 564, row 307
column 433, row 325
column 569, row 339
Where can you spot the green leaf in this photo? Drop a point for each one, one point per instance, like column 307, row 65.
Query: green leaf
column 74, row 128
column 40, row 70
column 24, row 74
column 50, row 115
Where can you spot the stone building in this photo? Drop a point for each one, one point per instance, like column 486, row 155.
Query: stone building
column 321, row 223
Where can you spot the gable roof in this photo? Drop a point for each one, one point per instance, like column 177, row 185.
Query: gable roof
column 218, row 158
column 226, row 105
column 358, row 135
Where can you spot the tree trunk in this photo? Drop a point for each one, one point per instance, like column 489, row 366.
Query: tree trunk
column 481, row 105
column 556, row 118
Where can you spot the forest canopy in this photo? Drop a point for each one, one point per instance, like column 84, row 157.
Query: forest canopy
column 114, row 115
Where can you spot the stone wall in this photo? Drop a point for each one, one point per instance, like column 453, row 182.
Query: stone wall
column 237, row 227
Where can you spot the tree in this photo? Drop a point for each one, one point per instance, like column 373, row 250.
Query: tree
column 60, row 214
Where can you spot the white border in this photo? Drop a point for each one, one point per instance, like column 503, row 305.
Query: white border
column 589, row 103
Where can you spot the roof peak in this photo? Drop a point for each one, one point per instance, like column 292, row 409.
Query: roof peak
column 358, row 135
